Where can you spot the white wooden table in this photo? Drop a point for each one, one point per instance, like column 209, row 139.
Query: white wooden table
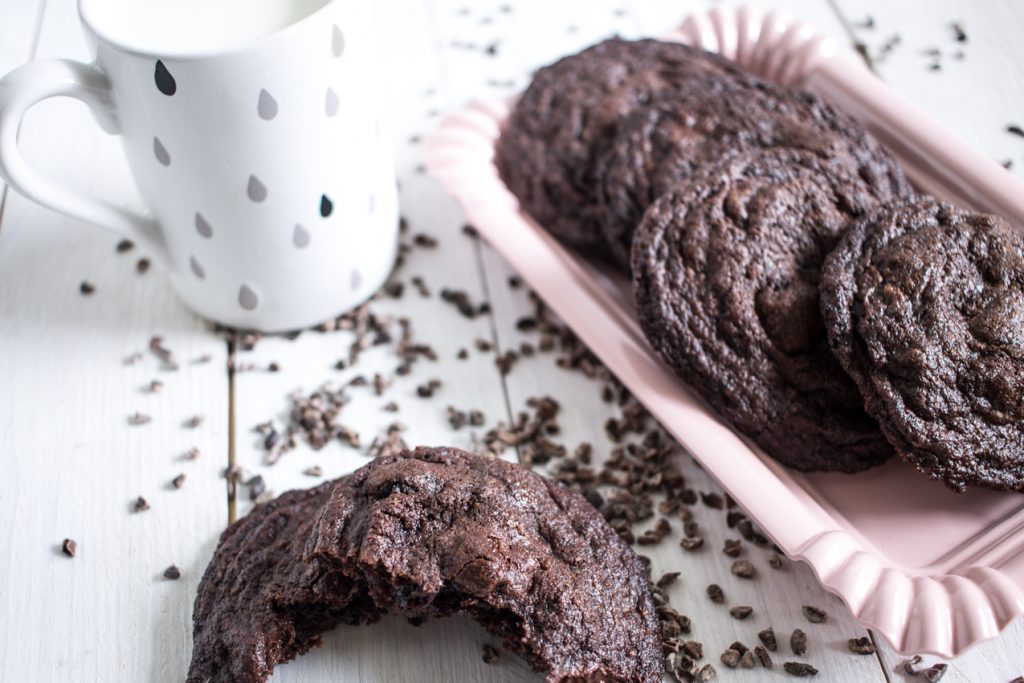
column 73, row 465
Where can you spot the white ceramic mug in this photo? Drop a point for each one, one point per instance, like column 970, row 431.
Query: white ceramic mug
column 253, row 131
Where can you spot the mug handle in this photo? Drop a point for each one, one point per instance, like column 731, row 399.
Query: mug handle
column 40, row 80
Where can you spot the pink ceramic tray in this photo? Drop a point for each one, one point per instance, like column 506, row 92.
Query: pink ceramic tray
column 932, row 571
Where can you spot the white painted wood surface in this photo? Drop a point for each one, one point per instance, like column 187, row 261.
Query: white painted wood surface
column 75, row 465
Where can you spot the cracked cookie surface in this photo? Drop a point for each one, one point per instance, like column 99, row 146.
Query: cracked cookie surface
column 726, row 274
column 924, row 305
column 429, row 533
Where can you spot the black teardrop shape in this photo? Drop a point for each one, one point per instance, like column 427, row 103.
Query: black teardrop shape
column 164, row 80
column 325, row 206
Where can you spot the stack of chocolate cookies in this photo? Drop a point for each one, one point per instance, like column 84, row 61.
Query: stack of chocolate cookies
column 781, row 265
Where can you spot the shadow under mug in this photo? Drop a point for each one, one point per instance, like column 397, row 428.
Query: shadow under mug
column 265, row 166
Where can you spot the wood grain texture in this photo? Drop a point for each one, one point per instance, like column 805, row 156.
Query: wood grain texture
column 77, row 465
column 73, row 465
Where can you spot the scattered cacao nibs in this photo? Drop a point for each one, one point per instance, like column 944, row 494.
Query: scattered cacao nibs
column 667, row 579
column 390, row 407
column 798, row 643
column 271, row 439
column 491, row 654
column 273, row 367
column 1014, row 129
column 743, row 569
column 1007, row 163
column 959, row 35
column 693, row 649
column 706, row 673
column 740, row 612
column 133, row 358
column 799, row 669
column 155, row 387
column 935, row 672
column 137, row 419
column 483, row 346
column 190, row 454
column 142, row 266
column 193, row 422
column 734, row 517
column 256, row 486
column 713, row 500
column 124, row 246
column 767, row 636
column 716, row 594
column 87, row 288
column 463, row 354
column 763, row 657
column 656, row 534
column 913, row 665
column 422, row 239
column 166, row 358
column 506, row 361
column 815, row 615
column 747, row 660
column 470, row 231
column 461, row 301
column 731, row 658
column 861, row 646
column 421, row 287
column 1018, row 679
column 427, row 390
column 69, row 547
column 691, row 542
column 751, row 535
column 172, row 573
column 732, row 547
column 388, row 444
column 739, row 647
column 775, row 561
column 314, row 471
column 140, row 505
column 178, row 481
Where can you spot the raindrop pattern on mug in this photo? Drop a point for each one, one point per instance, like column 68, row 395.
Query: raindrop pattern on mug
column 267, row 108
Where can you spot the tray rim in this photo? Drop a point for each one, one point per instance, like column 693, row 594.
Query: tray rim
column 917, row 613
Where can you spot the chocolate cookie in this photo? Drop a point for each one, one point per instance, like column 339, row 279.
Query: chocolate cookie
column 725, row 270
column 657, row 147
column 924, row 305
column 568, row 116
column 431, row 533
column 260, row 603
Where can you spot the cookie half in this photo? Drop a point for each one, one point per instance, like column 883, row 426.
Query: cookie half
column 924, row 306
column 726, row 274
column 429, row 533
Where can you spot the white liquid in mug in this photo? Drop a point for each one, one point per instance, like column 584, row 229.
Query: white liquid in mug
column 183, row 26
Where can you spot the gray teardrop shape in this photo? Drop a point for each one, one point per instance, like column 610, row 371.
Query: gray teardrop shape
column 247, row 298
column 331, row 104
column 266, row 106
column 203, row 227
column 197, row 269
column 357, row 279
column 257, row 190
column 300, row 237
column 161, row 152
column 337, row 42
